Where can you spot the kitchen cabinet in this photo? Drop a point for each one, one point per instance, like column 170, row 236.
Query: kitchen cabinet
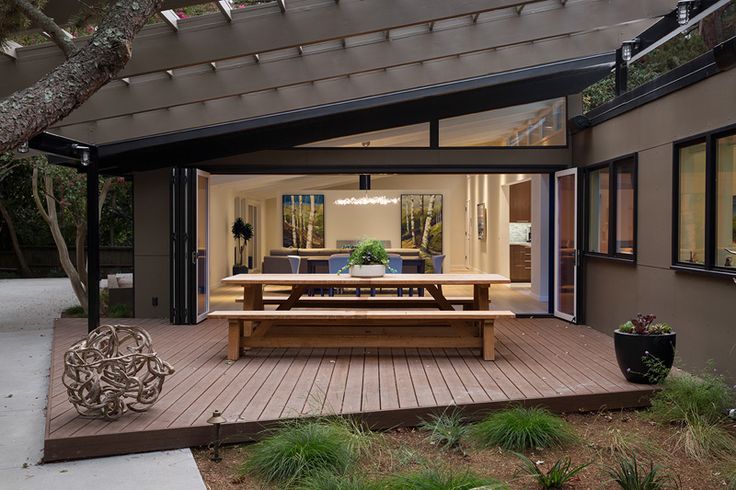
column 520, row 263
column 520, row 202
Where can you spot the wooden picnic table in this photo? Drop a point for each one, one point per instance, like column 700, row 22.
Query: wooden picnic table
column 248, row 328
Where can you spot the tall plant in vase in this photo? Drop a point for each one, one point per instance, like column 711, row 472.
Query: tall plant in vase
column 242, row 232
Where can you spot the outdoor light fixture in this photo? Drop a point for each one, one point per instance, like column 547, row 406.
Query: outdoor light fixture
column 628, row 48
column 23, row 148
column 83, row 153
column 217, row 420
column 684, row 11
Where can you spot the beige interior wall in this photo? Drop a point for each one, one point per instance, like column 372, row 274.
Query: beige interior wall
column 701, row 308
column 492, row 254
column 222, row 215
column 151, row 243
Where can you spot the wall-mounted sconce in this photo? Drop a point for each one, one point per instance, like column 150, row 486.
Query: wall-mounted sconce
column 23, row 148
column 83, row 153
column 684, row 11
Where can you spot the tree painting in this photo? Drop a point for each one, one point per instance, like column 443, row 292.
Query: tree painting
column 421, row 222
column 303, row 220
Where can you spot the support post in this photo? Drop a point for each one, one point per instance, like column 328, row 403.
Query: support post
column 622, row 74
column 93, row 243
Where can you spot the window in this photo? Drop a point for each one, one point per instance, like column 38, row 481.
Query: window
column 416, row 135
column 611, row 209
column 535, row 124
column 705, row 203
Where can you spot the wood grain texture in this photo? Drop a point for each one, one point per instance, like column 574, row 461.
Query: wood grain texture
column 342, row 280
column 539, row 362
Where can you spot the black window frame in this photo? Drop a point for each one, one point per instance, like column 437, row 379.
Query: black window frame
column 612, row 165
column 709, row 265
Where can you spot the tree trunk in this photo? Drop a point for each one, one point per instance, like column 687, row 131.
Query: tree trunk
column 50, row 216
column 80, row 253
column 411, row 221
column 300, row 222
column 427, row 224
column 29, row 111
column 22, row 264
column 293, row 223
column 310, row 223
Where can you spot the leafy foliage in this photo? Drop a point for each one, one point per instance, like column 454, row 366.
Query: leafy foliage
column 120, row 311
column 629, row 475
column 644, row 325
column 518, row 429
column 75, row 311
column 686, row 398
column 561, row 472
column 441, row 479
column 446, row 429
column 367, row 252
column 305, row 448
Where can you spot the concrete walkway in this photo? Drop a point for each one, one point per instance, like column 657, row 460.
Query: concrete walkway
column 27, row 309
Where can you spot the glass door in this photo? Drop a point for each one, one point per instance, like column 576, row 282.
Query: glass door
column 201, row 255
column 565, row 245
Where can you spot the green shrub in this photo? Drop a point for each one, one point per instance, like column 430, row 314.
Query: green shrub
column 303, row 448
column 702, row 439
column 367, row 252
column 730, row 474
column 75, row 312
column 518, row 429
column 120, row 311
column 441, row 479
column 556, row 477
column 446, row 430
column 325, row 480
column 686, row 397
column 629, row 475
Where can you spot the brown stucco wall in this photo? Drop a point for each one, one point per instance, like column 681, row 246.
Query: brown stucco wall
column 151, row 252
column 701, row 308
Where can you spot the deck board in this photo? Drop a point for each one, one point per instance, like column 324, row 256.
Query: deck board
column 539, row 362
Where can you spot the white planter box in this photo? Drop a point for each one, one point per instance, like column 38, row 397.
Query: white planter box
column 373, row 270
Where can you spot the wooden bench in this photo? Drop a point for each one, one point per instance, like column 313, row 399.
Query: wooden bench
column 366, row 301
column 361, row 328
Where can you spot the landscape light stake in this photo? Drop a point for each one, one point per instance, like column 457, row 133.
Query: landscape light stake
column 217, row 420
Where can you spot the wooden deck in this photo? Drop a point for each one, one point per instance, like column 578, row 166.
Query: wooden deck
column 543, row 362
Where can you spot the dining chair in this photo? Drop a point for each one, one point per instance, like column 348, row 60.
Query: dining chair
column 335, row 263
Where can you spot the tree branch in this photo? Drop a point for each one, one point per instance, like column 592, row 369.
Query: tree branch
column 29, row 111
column 48, row 25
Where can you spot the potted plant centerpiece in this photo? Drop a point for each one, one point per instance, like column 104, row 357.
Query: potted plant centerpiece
column 242, row 232
column 645, row 350
column 368, row 259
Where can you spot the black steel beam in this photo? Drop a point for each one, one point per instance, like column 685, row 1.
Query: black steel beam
column 93, row 243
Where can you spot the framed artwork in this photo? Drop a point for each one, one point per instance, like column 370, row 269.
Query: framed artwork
column 303, row 222
column 421, row 222
column 733, row 219
column 481, row 219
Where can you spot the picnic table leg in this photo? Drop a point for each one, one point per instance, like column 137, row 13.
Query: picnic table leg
column 482, row 302
column 252, row 300
column 235, row 331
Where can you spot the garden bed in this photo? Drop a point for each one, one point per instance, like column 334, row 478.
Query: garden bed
column 604, row 437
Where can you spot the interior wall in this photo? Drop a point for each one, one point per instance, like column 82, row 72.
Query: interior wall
column 701, row 308
column 151, row 243
column 492, row 254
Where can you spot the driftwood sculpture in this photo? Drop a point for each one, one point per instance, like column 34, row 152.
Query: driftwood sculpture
column 112, row 370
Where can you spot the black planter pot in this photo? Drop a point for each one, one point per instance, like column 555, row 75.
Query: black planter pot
column 239, row 269
column 632, row 350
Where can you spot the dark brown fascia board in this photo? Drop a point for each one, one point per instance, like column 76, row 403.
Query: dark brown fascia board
column 263, row 28
column 590, row 18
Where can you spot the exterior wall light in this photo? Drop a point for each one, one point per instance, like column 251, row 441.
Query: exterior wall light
column 23, row 148
column 217, row 420
column 83, row 153
column 684, row 11
column 628, row 48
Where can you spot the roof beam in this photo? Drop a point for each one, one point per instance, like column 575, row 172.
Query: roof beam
column 262, row 28
column 157, row 94
column 170, row 18
column 225, row 9
column 342, row 89
column 9, row 49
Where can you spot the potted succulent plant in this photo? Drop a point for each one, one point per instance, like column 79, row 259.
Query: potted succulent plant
column 242, row 232
column 368, row 259
column 645, row 350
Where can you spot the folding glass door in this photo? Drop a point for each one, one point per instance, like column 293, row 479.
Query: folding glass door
column 565, row 244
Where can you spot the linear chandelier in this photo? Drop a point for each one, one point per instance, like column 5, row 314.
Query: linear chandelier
column 367, row 201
